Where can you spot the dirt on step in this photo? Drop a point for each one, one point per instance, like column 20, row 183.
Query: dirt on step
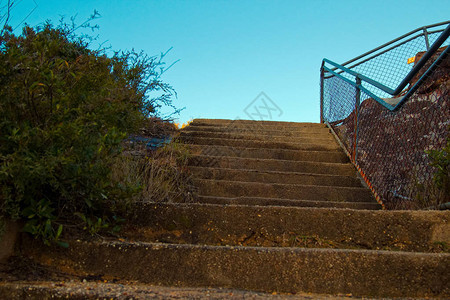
column 262, row 238
column 21, row 278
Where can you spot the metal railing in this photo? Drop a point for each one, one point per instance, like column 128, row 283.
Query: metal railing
column 388, row 111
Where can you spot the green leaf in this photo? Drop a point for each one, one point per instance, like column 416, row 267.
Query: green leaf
column 29, row 228
column 59, row 231
column 62, row 244
column 88, row 202
column 48, row 227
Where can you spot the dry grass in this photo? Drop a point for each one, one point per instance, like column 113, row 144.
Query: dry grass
column 162, row 174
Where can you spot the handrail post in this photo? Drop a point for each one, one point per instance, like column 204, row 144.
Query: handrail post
column 356, row 132
column 425, row 34
column 321, row 93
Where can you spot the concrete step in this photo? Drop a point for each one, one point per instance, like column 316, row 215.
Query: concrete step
column 258, row 144
column 274, row 177
column 250, row 123
column 267, row 153
column 310, row 140
column 359, row 272
column 270, row 226
column 263, row 130
column 272, row 165
column 263, row 201
column 305, row 139
column 224, row 188
column 76, row 289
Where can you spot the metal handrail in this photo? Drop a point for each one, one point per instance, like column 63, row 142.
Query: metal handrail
column 393, row 47
column 343, row 90
column 424, row 32
column 358, row 75
column 407, row 95
column 432, row 50
column 359, row 86
column 441, row 57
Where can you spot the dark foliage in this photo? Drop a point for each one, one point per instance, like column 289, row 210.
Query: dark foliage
column 64, row 112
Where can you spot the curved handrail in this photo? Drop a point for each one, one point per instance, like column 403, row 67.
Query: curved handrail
column 361, row 129
column 390, row 48
column 423, row 28
column 394, row 92
column 380, row 100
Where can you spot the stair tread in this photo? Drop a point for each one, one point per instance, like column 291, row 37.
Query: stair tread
column 268, row 130
column 116, row 243
column 263, row 123
column 259, row 143
column 275, row 172
column 263, row 164
column 283, row 202
column 320, row 138
column 240, row 148
column 274, row 160
column 286, row 185
column 282, row 269
column 108, row 290
column 333, row 156
column 267, row 176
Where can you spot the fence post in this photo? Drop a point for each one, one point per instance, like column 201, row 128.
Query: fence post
column 321, row 93
column 356, row 132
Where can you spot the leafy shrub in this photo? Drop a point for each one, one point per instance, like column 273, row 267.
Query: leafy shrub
column 433, row 193
column 440, row 159
column 64, row 112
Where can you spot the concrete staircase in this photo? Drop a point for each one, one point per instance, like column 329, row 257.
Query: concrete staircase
column 281, row 210
column 273, row 163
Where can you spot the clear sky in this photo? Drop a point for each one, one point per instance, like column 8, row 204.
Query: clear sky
column 231, row 51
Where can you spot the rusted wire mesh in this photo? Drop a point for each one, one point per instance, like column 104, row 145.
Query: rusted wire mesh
column 391, row 148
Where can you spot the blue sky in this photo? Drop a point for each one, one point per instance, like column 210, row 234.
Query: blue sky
column 231, row 51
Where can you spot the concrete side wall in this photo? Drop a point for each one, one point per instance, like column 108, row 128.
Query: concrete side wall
column 8, row 238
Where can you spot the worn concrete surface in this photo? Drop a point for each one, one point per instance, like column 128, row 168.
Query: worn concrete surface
column 273, row 165
column 107, row 290
column 359, row 272
column 8, row 238
column 224, row 188
column 307, row 139
column 264, row 201
column 267, row 153
column 259, row 143
column 248, row 175
column 282, row 226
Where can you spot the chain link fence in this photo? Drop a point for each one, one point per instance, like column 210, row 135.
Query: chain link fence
column 393, row 150
column 390, row 64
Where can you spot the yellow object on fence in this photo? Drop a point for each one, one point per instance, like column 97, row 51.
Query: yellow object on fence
column 411, row 60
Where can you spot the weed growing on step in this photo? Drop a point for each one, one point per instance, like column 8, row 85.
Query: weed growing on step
column 165, row 175
column 162, row 174
column 441, row 247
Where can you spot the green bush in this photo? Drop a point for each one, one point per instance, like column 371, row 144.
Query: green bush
column 64, row 112
column 440, row 160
